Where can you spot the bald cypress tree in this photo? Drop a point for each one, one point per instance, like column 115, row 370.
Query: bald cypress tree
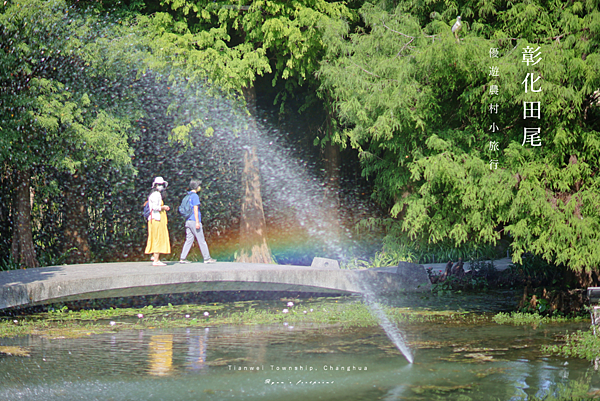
column 52, row 58
column 449, row 154
column 226, row 46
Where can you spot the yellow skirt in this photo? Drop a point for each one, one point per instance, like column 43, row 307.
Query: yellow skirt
column 158, row 235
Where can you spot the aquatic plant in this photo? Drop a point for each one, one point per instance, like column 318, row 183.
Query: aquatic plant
column 521, row 319
column 68, row 323
column 581, row 344
column 14, row 350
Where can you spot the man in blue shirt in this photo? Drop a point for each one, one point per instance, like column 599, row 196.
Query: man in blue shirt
column 193, row 228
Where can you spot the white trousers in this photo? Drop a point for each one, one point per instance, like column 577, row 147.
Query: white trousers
column 190, row 234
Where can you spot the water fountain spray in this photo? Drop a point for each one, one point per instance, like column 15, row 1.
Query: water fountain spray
column 391, row 330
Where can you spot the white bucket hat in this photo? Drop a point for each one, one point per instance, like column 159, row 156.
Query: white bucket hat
column 159, row 181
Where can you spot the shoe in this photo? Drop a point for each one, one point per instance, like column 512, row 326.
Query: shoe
column 152, row 257
column 210, row 260
column 158, row 263
column 184, row 261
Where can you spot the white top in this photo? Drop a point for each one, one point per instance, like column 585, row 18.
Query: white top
column 154, row 201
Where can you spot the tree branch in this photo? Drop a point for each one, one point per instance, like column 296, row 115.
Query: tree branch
column 368, row 72
column 404, row 47
column 403, row 34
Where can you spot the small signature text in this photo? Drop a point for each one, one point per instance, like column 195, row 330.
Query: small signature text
column 299, row 382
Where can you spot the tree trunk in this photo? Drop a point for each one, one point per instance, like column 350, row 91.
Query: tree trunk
column 22, row 248
column 253, row 227
column 583, row 278
column 75, row 241
column 331, row 202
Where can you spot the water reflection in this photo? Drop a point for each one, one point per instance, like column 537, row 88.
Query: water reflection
column 160, row 354
column 460, row 362
column 197, row 346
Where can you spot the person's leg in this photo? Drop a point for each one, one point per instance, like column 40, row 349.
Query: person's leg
column 156, row 261
column 201, row 241
column 190, row 227
column 149, row 241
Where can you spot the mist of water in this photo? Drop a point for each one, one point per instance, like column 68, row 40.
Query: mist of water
column 294, row 196
column 390, row 328
column 291, row 190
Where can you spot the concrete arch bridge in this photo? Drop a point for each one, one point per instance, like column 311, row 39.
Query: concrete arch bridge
column 54, row 284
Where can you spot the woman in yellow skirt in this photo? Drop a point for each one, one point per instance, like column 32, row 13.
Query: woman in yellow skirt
column 158, row 233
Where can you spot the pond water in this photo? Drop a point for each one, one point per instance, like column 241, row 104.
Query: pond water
column 483, row 361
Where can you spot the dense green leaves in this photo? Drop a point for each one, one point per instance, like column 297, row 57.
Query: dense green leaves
column 418, row 107
column 66, row 110
column 52, row 59
column 229, row 45
column 415, row 102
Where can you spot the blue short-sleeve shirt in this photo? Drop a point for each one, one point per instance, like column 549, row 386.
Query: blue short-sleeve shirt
column 195, row 201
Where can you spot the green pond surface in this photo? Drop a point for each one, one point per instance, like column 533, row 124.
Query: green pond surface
column 466, row 361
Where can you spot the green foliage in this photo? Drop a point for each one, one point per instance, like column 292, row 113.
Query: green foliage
column 9, row 264
column 582, row 344
column 454, row 284
column 228, row 46
column 66, row 110
column 51, row 59
column 535, row 319
column 415, row 104
column 445, row 287
column 341, row 311
column 539, row 271
column 398, row 247
column 49, row 259
column 581, row 389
